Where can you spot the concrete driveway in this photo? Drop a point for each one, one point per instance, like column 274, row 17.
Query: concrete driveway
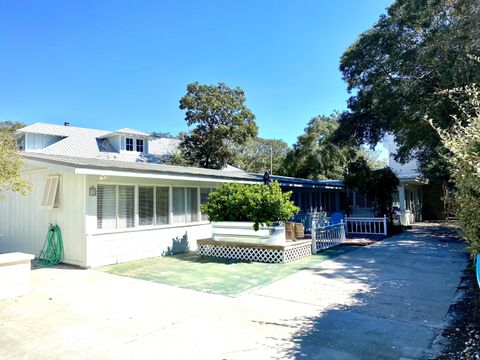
column 387, row 300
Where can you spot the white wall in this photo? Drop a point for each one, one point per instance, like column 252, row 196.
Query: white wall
column 117, row 247
column 407, row 168
column 24, row 224
column 120, row 245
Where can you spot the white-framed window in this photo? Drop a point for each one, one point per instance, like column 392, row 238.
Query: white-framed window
column 185, row 204
column 139, row 145
column 153, row 205
column 146, row 205
column 204, row 193
column 50, row 192
column 129, row 144
column 162, row 205
column 115, row 206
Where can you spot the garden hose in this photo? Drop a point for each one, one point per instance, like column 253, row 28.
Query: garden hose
column 52, row 252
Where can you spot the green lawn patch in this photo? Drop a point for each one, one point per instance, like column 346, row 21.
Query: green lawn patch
column 214, row 275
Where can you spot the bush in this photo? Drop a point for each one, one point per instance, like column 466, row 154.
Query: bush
column 259, row 203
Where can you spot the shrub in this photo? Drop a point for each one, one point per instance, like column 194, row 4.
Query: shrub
column 259, row 203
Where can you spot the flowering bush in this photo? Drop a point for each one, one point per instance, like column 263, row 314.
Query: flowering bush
column 259, row 203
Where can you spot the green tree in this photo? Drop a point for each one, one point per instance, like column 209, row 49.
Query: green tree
column 11, row 126
column 257, row 203
column 463, row 143
column 10, row 164
column 254, row 155
column 221, row 118
column 315, row 156
column 395, row 70
column 378, row 184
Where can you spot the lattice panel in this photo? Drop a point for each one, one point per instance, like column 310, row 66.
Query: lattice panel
column 297, row 253
column 254, row 254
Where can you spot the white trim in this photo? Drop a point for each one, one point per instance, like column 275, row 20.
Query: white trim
column 50, row 192
column 87, row 171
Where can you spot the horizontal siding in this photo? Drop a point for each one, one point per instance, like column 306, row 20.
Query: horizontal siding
column 113, row 248
column 24, row 224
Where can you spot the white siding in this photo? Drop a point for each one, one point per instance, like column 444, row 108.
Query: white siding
column 24, row 224
column 113, row 248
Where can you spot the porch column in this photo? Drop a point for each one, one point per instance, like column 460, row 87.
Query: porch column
column 401, row 200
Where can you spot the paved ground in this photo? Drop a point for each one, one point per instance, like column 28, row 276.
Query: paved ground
column 387, row 300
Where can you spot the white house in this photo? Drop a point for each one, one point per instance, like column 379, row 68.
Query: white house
column 409, row 196
column 114, row 200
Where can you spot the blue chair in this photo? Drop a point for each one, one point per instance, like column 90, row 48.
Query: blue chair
column 336, row 218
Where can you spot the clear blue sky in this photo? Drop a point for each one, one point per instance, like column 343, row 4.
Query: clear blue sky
column 113, row 64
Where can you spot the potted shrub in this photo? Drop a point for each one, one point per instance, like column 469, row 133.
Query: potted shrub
column 249, row 213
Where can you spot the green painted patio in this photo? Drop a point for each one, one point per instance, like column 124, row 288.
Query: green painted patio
column 214, row 275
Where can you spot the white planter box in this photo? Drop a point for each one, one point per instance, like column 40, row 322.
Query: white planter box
column 242, row 232
column 14, row 274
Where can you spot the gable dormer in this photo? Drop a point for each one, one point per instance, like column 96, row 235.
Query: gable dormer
column 129, row 141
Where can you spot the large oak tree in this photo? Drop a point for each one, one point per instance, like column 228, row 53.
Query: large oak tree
column 221, row 118
column 397, row 69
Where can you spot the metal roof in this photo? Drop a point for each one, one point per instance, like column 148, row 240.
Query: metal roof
column 135, row 168
column 93, row 143
column 128, row 131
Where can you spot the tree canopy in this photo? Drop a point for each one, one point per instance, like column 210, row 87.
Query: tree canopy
column 10, row 164
column 379, row 184
column 315, row 156
column 221, row 119
column 396, row 69
column 463, row 142
column 254, row 155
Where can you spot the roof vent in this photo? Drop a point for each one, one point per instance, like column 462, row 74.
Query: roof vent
column 66, row 124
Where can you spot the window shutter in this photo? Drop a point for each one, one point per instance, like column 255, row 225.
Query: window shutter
column 50, row 193
column 106, row 206
column 126, row 206
column 145, row 205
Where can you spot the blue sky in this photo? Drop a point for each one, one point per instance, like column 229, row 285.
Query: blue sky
column 113, row 64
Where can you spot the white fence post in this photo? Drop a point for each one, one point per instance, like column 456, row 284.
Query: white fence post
column 314, row 241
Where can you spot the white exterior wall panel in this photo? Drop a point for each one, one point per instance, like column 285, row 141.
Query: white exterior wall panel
column 118, row 247
column 24, row 224
column 104, row 247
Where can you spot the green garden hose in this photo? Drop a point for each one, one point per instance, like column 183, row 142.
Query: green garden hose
column 52, row 252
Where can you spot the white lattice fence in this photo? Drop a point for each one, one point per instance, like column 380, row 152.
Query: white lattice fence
column 325, row 237
column 259, row 254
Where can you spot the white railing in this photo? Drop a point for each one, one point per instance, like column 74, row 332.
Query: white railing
column 366, row 225
column 324, row 237
column 311, row 220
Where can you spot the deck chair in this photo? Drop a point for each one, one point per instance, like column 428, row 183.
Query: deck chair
column 336, row 218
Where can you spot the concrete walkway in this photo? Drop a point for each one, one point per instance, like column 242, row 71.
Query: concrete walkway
column 384, row 301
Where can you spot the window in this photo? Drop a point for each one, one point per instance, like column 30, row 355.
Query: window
column 115, row 206
column 145, row 205
column 178, row 196
column 140, row 145
column 204, row 193
column 126, row 206
column 106, row 206
column 161, row 204
column 185, row 205
column 129, row 144
column 192, row 205
column 50, row 193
